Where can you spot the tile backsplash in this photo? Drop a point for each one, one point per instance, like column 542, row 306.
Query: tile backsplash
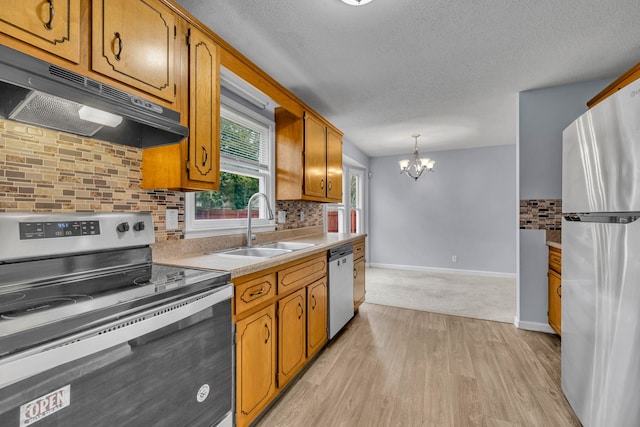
column 544, row 214
column 43, row 170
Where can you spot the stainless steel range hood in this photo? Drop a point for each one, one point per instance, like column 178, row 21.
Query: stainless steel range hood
column 36, row 92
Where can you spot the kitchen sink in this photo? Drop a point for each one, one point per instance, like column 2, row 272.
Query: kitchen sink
column 258, row 252
column 267, row 250
column 294, row 246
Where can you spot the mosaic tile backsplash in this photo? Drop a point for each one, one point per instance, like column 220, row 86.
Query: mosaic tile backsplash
column 47, row 171
column 541, row 214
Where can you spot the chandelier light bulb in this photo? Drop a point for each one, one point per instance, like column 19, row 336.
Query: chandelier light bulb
column 415, row 167
column 356, row 2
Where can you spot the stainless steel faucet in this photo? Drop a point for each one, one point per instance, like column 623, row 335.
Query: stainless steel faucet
column 250, row 236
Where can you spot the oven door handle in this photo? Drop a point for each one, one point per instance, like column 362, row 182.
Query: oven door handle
column 34, row 361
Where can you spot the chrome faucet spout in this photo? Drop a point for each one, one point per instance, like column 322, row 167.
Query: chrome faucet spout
column 250, row 236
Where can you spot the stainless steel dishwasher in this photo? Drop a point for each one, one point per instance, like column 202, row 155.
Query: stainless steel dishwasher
column 340, row 287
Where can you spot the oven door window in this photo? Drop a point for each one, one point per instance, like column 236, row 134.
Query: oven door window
column 178, row 375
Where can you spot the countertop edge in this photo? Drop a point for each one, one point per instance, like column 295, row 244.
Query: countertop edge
column 554, row 244
column 242, row 266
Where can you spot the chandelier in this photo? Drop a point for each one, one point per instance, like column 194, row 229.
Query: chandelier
column 417, row 165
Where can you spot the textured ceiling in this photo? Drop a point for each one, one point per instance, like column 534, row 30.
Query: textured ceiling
column 449, row 70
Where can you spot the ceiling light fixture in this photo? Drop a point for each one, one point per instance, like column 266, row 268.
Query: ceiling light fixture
column 415, row 167
column 356, row 2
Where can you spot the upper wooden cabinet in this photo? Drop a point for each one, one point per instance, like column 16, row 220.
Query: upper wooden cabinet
column 630, row 76
column 193, row 164
column 53, row 26
column 134, row 41
column 308, row 159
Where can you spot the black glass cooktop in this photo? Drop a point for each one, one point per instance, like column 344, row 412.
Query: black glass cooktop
column 44, row 310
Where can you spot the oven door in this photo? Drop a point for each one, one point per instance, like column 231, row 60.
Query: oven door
column 168, row 366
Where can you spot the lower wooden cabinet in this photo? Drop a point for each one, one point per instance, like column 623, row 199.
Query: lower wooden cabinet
column 555, row 289
column 316, row 316
column 255, row 364
column 292, row 336
column 555, row 301
column 358, row 273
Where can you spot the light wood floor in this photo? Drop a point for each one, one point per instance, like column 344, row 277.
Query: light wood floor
column 399, row 367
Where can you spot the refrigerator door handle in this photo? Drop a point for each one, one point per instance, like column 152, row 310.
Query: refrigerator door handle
column 605, row 218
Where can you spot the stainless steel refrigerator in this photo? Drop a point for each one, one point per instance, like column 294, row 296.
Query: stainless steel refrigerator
column 601, row 262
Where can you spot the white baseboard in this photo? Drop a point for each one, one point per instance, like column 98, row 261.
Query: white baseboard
column 533, row 326
column 443, row 270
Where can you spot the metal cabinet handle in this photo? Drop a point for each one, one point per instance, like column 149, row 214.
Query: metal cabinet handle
column 313, row 298
column 322, row 184
column 206, row 155
column 301, row 310
column 559, row 291
column 117, row 34
column 260, row 292
column 355, row 273
column 329, row 185
column 266, row 326
column 52, row 12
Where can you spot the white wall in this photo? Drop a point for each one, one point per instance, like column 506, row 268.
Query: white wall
column 467, row 208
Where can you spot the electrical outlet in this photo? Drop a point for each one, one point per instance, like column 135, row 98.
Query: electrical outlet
column 171, row 220
column 454, row 258
column 282, row 217
column 301, row 216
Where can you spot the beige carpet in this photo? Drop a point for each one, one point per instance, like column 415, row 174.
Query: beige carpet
column 480, row 297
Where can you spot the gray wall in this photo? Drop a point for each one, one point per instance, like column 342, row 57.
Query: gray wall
column 467, row 208
column 544, row 113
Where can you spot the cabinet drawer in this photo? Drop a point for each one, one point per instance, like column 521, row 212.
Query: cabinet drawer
column 254, row 292
column 358, row 249
column 302, row 274
column 555, row 259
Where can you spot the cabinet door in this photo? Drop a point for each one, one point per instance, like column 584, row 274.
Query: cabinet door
column 204, row 109
column 358, row 283
column 53, row 26
column 292, row 334
column 134, row 42
column 315, row 157
column 255, row 364
column 555, row 301
column 316, row 316
column 334, row 166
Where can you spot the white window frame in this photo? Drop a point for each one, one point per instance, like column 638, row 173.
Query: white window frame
column 219, row 227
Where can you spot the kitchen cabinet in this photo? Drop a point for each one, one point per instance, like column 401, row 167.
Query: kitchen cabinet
column 292, row 336
column 194, row 164
column 255, row 364
column 630, row 76
column 555, row 289
column 316, row 316
column 358, row 273
column 134, row 42
column 281, row 321
column 53, row 26
column 308, row 158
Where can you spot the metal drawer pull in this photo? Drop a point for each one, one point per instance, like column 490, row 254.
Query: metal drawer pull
column 117, row 34
column 52, row 12
column 206, row 156
column 266, row 326
column 260, row 292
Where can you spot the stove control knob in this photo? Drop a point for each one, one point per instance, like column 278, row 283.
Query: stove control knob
column 123, row 227
column 138, row 226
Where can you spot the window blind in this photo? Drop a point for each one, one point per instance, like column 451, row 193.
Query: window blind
column 243, row 142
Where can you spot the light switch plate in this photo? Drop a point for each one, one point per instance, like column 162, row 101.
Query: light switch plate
column 282, row 217
column 171, row 221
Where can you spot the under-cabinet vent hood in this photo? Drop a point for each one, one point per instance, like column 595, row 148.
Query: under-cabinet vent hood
column 42, row 94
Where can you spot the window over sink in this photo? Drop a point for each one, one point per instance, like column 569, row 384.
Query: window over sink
column 246, row 163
